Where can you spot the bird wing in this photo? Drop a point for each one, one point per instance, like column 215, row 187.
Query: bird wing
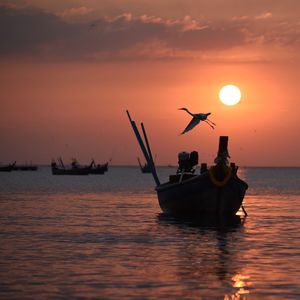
column 191, row 125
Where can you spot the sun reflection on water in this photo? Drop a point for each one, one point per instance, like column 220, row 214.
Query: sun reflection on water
column 241, row 283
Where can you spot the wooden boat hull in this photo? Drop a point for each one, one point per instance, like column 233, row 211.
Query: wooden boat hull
column 6, row 168
column 80, row 170
column 199, row 196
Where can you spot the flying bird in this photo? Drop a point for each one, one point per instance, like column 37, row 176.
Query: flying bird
column 196, row 120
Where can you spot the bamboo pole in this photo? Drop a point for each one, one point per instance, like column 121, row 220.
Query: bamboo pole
column 143, row 148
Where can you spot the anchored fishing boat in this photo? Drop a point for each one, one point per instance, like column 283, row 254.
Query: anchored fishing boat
column 75, row 169
column 25, row 167
column 7, row 168
column 215, row 191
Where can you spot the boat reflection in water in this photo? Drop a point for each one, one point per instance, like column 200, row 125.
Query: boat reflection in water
column 210, row 254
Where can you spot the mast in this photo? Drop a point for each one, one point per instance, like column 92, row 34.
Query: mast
column 146, row 151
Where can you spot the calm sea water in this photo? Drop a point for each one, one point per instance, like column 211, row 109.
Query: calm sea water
column 104, row 237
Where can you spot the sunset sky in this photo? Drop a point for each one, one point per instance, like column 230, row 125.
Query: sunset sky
column 70, row 69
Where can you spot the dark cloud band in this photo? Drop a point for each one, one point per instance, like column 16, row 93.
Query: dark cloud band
column 30, row 32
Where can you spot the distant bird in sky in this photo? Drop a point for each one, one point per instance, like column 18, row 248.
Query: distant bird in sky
column 196, row 120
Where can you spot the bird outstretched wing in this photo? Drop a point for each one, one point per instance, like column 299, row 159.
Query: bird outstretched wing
column 191, row 125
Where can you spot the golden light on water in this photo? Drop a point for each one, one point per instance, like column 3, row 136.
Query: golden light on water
column 230, row 95
column 241, row 282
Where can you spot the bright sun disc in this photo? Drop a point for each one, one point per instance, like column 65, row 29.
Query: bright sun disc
column 230, row 95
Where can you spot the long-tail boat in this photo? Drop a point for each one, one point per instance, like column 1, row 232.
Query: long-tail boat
column 75, row 169
column 216, row 191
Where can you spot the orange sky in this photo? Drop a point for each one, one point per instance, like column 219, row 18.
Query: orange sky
column 70, row 69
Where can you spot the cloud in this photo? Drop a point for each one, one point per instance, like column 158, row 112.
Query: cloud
column 33, row 33
column 264, row 16
column 75, row 11
column 29, row 31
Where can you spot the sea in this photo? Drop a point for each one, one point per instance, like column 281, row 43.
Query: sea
column 105, row 237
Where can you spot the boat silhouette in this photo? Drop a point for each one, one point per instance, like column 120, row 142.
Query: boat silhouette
column 7, row 168
column 97, row 168
column 76, row 169
column 215, row 191
column 25, row 167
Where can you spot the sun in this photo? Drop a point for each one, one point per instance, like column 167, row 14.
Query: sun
column 230, row 95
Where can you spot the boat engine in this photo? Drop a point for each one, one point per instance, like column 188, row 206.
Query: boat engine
column 187, row 161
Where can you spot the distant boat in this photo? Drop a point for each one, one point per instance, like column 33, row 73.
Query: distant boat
column 25, row 167
column 144, row 168
column 75, row 169
column 217, row 191
column 97, row 168
column 7, row 168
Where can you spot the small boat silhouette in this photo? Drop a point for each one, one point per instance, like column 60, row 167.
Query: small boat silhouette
column 25, row 167
column 97, row 168
column 7, row 168
column 76, row 169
